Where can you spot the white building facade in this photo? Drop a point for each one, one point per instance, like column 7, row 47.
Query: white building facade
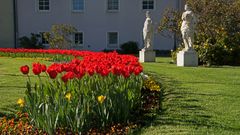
column 7, row 26
column 101, row 24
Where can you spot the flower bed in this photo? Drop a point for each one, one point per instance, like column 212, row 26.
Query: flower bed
column 54, row 54
column 149, row 105
column 80, row 96
column 98, row 90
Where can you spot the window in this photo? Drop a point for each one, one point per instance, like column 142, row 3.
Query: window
column 44, row 41
column 78, row 38
column 148, row 4
column 77, row 5
column 112, row 5
column 43, row 5
column 112, row 39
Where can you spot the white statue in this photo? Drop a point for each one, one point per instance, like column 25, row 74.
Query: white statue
column 188, row 28
column 148, row 32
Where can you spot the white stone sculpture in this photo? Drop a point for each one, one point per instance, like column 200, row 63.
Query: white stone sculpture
column 188, row 28
column 148, row 32
column 147, row 54
column 188, row 57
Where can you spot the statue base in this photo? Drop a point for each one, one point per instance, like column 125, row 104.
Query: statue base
column 147, row 56
column 187, row 58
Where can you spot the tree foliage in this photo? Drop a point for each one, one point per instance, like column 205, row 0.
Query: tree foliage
column 218, row 24
column 213, row 16
column 216, row 16
column 60, row 36
column 171, row 22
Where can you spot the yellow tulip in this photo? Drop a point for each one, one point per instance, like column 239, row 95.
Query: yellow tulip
column 20, row 102
column 68, row 96
column 101, row 99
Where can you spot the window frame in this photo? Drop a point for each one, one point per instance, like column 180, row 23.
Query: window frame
column 112, row 10
column 77, row 11
column 74, row 36
column 107, row 40
column 38, row 6
column 154, row 4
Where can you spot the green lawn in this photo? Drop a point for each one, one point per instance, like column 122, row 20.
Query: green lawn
column 196, row 100
column 12, row 82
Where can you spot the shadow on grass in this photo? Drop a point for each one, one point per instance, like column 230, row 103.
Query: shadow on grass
column 8, row 111
column 12, row 86
column 214, row 83
column 181, row 107
column 20, row 75
column 11, row 74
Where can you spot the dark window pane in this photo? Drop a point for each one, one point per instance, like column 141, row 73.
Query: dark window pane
column 150, row 7
column 78, row 38
column 113, row 38
column 43, row 5
column 78, row 4
column 148, row 4
column 112, row 4
column 40, row 7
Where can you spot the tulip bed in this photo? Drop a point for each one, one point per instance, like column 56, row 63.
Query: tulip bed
column 95, row 91
column 50, row 54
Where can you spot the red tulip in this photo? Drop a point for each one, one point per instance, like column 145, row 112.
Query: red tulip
column 52, row 73
column 90, row 71
column 37, row 68
column 138, row 70
column 126, row 74
column 104, row 72
column 44, row 68
column 24, row 69
column 79, row 72
column 67, row 76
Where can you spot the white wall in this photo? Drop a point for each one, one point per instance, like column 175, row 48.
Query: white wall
column 95, row 21
column 6, row 24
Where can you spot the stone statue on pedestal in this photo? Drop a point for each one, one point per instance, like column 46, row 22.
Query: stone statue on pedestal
column 148, row 32
column 147, row 54
column 188, row 56
column 188, row 28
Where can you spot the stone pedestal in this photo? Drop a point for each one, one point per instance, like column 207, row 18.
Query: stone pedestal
column 147, row 56
column 187, row 58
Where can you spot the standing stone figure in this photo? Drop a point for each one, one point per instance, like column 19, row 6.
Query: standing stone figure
column 188, row 27
column 148, row 32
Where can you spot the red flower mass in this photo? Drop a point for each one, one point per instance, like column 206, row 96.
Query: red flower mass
column 90, row 64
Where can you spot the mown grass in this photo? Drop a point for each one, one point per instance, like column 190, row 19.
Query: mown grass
column 12, row 82
column 195, row 100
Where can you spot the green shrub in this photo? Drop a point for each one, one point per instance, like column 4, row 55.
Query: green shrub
column 223, row 50
column 130, row 47
column 111, row 50
column 163, row 53
column 211, row 54
column 31, row 43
